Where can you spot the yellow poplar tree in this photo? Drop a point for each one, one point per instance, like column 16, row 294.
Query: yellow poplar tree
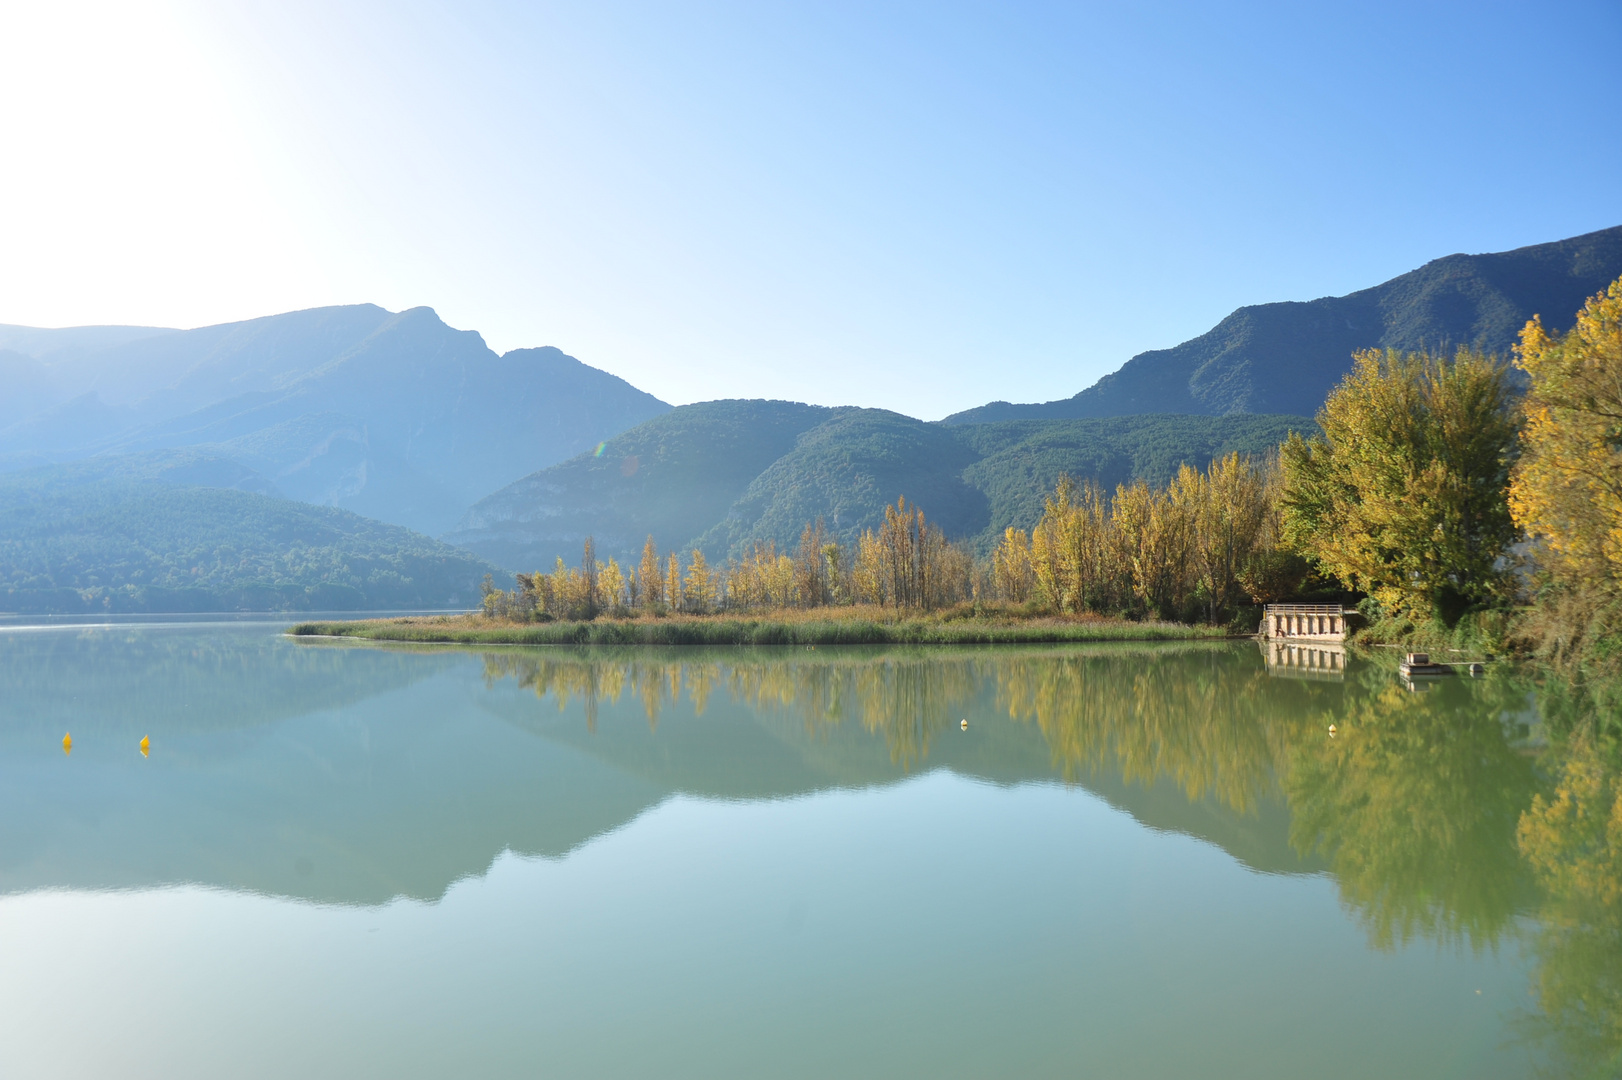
column 867, row 576
column 1226, row 509
column 673, row 595
column 1011, row 566
column 1566, row 490
column 611, row 585
column 700, row 584
column 652, row 580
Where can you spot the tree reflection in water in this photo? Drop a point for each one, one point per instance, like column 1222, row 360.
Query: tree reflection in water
column 905, row 697
column 1193, row 718
column 1414, row 801
column 1440, row 818
column 1572, row 839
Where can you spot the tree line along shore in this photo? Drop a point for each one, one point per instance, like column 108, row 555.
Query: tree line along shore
column 1456, row 498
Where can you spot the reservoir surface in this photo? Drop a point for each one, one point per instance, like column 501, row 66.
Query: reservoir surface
column 342, row 859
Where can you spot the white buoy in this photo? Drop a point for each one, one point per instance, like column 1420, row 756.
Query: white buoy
column 964, row 725
column 1332, row 730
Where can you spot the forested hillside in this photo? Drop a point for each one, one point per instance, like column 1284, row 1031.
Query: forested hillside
column 139, row 534
column 720, row 475
column 674, row 477
column 1285, row 357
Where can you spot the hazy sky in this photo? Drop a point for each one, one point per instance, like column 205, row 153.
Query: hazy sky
column 922, row 207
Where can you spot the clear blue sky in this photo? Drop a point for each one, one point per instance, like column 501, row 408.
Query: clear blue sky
column 921, row 207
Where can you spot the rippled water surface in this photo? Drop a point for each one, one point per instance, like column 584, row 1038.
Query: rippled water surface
column 347, row 860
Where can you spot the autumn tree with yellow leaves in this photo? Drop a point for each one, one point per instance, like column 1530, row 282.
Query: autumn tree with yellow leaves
column 698, row 589
column 650, row 578
column 1566, row 491
column 908, row 563
column 1404, row 495
column 1191, row 549
column 672, row 590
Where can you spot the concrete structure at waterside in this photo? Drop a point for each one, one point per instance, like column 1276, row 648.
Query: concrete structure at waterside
column 1305, row 622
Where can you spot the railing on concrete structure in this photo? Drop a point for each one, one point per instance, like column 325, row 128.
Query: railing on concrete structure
column 1317, row 622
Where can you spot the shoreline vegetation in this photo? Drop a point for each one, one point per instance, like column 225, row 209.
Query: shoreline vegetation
column 850, row 625
column 1460, row 501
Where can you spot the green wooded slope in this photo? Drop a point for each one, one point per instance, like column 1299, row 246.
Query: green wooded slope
column 721, row 475
column 138, row 534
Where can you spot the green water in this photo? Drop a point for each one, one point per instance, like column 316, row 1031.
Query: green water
column 1144, row 861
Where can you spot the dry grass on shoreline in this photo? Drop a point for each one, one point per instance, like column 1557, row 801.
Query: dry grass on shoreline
column 814, row 626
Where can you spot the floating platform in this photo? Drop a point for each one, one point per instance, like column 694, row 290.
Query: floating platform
column 1417, row 665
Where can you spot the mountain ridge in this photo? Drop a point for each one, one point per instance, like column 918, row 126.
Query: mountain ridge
column 399, row 417
column 394, row 415
column 1284, row 357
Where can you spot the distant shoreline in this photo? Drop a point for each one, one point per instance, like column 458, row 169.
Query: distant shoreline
column 879, row 629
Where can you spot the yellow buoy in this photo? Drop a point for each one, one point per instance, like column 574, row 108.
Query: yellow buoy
column 964, row 725
column 67, row 743
column 146, row 744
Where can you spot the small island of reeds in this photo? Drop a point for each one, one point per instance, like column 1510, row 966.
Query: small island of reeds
column 854, row 625
column 902, row 584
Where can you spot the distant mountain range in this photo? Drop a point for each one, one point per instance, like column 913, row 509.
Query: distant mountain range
column 518, row 457
column 721, row 474
column 392, row 415
column 1285, row 357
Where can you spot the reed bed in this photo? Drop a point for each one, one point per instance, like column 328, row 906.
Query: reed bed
column 819, row 626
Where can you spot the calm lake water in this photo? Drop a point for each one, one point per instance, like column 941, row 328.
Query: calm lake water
column 348, row 860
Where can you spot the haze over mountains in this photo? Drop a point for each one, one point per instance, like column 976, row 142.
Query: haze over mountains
column 185, row 531
column 392, row 415
column 517, row 457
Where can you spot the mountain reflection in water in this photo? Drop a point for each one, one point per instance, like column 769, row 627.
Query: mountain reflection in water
column 348, row 774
